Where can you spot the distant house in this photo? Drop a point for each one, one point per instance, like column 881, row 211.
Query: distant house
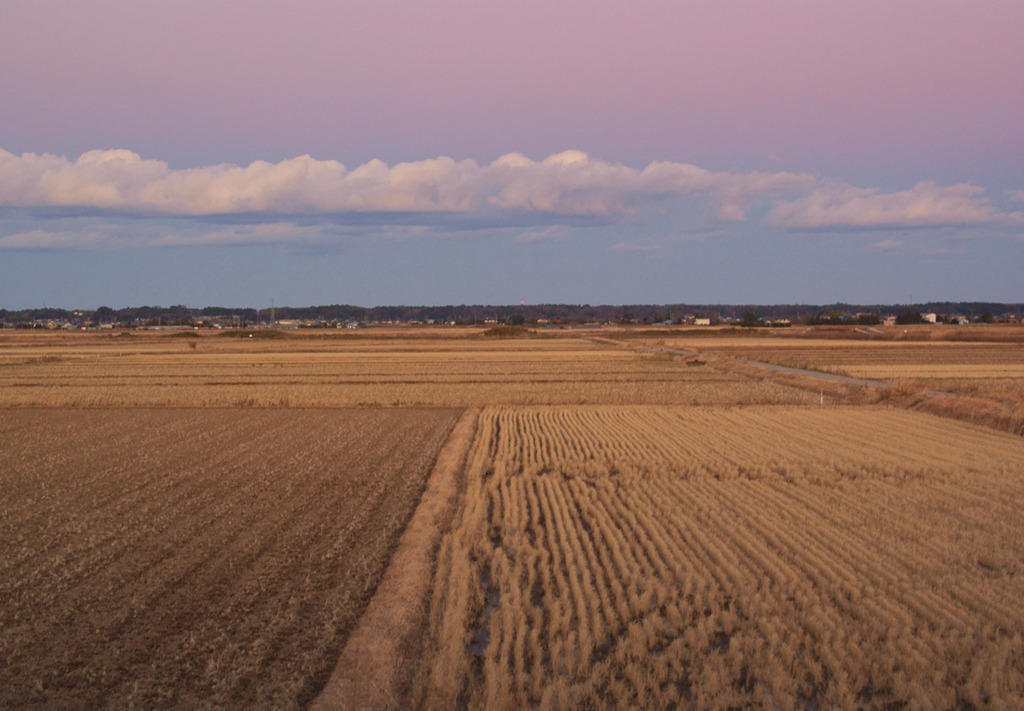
column 928, row 318
column 701, row 321
column 889, row 321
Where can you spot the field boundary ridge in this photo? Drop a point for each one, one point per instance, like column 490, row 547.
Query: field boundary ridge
column 1002, row 416
column 372, row 671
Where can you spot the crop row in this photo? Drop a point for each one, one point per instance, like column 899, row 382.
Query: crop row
column 354, row 374
column 650, row 557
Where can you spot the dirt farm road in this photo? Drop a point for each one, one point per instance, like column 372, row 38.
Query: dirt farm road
column 833, row 377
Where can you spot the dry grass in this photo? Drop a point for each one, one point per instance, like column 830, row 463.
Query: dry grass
column 884, row 359
column 816, row 354
column 302, row 372
column 820, row 391
column 978, row 410
column 730, row 558
column 1009, row 390
column 195, row 558
column 628, row 529
column 389, row 636
column 985, row 379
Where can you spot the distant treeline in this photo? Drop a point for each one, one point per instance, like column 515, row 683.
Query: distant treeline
column 531, row 313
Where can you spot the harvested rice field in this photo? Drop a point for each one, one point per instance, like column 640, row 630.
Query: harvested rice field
column 307, row 371
column 764, row 557
column 201, row 521
column 984, row 369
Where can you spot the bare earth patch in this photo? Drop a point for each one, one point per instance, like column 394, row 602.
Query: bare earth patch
column 196, row 558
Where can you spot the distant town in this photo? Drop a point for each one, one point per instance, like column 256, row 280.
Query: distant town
column 539, row 316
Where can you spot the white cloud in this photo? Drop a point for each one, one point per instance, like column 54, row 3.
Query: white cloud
column 731, row 212
column 292, row 201
column 567, row 183
column 836, row 204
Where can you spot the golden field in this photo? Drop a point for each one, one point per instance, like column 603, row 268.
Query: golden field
column 462, row 369
column 760, row 557
column 974, row 374
column 992, row 369
column 207, row 521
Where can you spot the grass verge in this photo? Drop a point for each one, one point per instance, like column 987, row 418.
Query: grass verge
column 381, row 656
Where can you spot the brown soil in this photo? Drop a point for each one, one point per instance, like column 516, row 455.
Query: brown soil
column 373, row 671
column 196, row 558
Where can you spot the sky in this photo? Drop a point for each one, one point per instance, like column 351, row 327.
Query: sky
column 235, row 152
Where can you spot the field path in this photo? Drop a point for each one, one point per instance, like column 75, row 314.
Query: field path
column 388, row 637
column 997, row 413
column 789, row 370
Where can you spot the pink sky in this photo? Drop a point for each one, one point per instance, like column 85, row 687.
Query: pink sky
column 687, row 135
column 809, row 85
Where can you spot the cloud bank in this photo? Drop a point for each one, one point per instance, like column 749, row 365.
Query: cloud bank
column 571, row 188
column 837, row 204
column 567, row 183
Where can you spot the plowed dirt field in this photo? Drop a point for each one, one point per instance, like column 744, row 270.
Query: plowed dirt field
column 195, row 558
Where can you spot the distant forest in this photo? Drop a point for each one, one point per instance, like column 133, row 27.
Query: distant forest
column 335, row 314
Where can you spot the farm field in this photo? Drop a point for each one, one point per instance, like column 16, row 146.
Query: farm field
column 201, row 521
column 989, row 369
column 195, row 558
column 752, row 557
column 451, row 370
